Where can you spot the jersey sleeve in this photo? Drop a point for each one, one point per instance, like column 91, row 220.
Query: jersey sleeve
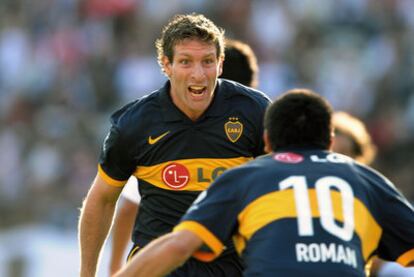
column 397, row 220
column 213, row 216
column 116, row 163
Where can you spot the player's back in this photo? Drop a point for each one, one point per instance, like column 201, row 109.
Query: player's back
column 317, row 213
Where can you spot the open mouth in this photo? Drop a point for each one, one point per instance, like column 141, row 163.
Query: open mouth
column 197, row 90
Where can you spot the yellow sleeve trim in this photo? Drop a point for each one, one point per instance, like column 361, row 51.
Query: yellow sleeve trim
column 209, row 239
column 108, row 179
column 406, row 258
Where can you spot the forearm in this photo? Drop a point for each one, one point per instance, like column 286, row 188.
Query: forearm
column 162, row 256
column 94, row 225
column 95, row 221
column 121, row 233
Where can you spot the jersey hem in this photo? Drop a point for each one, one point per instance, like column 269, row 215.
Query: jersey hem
column 406, row 258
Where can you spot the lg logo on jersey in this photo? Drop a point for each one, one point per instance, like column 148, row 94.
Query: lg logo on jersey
column 332, row 158
column 288, row 157
column 293, row 158
column 175, row 175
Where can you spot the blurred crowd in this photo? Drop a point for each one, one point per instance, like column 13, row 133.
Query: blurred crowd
column 65, row 65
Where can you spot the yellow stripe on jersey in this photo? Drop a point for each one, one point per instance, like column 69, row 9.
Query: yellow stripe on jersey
column 366, row 227
column 133, row 252
column 281, row 204
column 202, row 172
column 262, row 211
column 239, row 242
column 406, row 258
column 209, row 239
column 109, row 180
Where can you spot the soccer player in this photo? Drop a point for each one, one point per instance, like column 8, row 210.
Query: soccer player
column 299, row 211
column 240, row 65
column 175, row 141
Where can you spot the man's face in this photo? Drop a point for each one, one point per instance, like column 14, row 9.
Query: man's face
column 193, row 75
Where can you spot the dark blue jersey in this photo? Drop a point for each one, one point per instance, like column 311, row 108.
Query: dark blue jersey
column 304, row 213
column 174, row 158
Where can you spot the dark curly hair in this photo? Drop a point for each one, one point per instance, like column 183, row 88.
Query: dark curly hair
column 299, row 118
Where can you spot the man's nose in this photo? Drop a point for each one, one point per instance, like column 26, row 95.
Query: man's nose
column 198, row 72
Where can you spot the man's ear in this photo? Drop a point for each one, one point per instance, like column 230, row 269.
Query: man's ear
column 267, row 146
column 166, row 65
column 220, row 69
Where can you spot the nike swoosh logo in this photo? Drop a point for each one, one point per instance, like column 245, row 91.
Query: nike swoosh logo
column 155, row 140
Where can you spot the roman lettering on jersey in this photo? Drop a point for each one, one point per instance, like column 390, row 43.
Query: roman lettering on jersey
column 324, row 253
column 175, row 175
column 233, row 129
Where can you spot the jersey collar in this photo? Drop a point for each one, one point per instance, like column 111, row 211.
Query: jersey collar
column 171, row 113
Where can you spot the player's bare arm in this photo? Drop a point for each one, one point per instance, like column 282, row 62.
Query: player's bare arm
column 95, row 221
column 121, row 232
column 162, row 255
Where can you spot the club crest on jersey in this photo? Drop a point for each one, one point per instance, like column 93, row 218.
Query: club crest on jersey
column 233, row 129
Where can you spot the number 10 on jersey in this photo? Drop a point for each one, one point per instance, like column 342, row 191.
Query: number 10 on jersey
column 323, row 188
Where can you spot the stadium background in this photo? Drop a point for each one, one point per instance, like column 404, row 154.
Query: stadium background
column 66, row 64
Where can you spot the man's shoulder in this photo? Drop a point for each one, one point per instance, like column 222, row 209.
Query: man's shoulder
column 375, row 178
column 136, row 109
column 233, row 89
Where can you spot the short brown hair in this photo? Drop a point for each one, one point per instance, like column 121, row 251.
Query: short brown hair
column 188, row 26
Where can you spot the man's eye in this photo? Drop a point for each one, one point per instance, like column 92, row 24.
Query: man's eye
column 209, row 61
column 184, row 61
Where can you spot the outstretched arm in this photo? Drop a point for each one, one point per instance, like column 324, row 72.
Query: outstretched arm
column 162, row 255
column 95, row 221
column 121, row 232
